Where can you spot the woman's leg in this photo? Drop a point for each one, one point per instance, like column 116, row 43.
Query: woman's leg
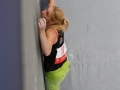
column 54, row 78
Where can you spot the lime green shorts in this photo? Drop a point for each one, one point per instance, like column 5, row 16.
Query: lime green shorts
column 53, row 79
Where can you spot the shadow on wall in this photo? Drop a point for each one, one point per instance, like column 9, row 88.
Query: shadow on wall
column 43, row 4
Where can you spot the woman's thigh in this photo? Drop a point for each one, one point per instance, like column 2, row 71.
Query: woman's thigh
column 54, row 78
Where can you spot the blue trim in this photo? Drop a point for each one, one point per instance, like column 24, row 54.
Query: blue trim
column 10, row 49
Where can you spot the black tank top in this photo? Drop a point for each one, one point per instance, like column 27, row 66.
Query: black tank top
column 49, row 61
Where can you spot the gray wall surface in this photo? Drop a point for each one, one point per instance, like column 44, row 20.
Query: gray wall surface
column 31, row 53
column 93, row 44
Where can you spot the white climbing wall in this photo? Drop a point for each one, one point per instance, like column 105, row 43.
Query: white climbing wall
column 93, row 41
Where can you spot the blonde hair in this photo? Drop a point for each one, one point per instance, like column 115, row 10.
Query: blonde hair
column 60, row 22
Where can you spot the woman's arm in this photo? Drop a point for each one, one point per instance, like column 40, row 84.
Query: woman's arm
column 47, row 38
column 51, row 3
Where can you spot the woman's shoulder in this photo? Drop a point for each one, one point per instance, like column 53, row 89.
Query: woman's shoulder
column 52, row 31
column 55, row 31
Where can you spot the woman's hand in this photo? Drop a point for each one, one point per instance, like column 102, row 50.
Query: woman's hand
column 42, row 24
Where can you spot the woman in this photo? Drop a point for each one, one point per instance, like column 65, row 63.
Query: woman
column 52, row 25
